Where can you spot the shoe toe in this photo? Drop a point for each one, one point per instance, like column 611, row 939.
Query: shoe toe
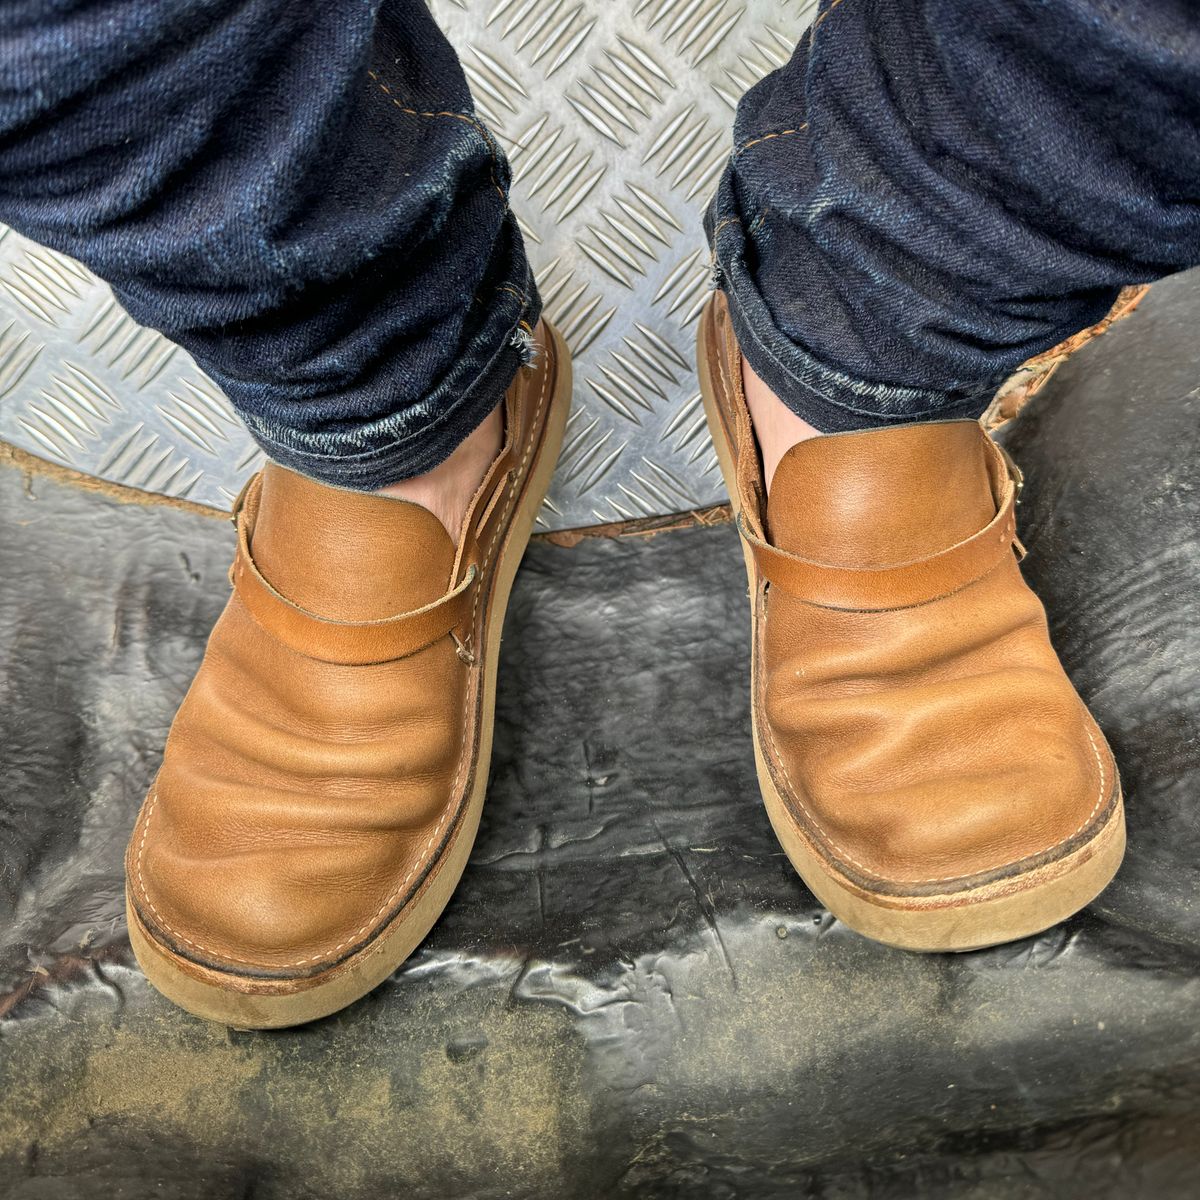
column 252, row 903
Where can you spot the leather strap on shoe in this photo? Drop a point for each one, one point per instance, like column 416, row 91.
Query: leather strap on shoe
column 348, row 643
column 905, row 585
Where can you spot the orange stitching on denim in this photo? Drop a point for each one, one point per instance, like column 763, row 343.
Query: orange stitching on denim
column 816, row 24
column 493, row 150
column 512, row 291
column 766, row 137
column 521, row 296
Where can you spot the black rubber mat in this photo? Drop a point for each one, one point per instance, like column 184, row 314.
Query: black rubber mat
column 631, row 994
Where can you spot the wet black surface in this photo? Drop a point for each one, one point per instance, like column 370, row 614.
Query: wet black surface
column 631, row 994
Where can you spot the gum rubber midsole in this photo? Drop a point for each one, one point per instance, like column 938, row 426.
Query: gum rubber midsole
column 251, row 1003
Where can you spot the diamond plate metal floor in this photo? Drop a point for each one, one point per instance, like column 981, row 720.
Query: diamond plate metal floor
column 616, row 116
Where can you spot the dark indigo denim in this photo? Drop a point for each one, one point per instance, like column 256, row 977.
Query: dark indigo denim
column 301, row 195
column 296, row 191
column 931, row 191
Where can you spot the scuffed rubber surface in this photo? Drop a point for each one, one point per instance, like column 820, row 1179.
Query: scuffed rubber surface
column 631, row 994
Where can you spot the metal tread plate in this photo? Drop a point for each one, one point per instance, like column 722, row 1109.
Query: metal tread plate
column 616, row 117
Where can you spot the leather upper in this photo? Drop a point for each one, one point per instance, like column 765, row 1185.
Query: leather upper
column 321, row 757
column 912, row 710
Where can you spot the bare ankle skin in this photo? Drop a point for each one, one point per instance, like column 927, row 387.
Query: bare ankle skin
column 447, row 489
column 776, row 428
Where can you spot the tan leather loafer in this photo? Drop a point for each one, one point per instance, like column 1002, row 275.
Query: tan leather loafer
column 925, row 762
column 323, row 779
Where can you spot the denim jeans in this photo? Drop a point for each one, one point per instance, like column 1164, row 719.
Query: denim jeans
column 932, row 191
column 302, row 197
column 298, row 193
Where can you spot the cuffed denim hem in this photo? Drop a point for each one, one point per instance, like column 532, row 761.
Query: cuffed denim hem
column 828, row 398
column 464, row 397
